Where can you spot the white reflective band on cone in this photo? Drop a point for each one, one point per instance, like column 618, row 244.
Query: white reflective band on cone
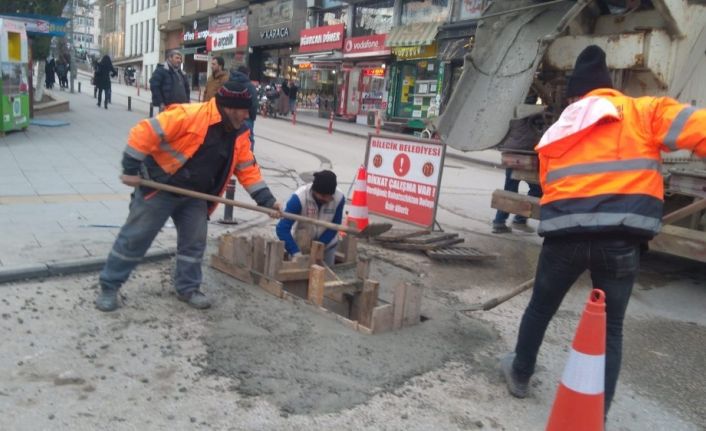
column 360, row 185
column 584, row 373
column 357, row 212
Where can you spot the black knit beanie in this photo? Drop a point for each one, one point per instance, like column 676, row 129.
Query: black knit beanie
column 324, row 182
column 590, row 73
column 233, row 94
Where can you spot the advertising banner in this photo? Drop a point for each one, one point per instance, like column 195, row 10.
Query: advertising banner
column 366, row 46
column 324, row 38
column 404, row 175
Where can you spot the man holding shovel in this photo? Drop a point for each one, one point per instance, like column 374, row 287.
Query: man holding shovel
column 197, row 147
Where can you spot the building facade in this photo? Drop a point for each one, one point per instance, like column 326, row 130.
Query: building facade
column 86, row 28
column 141, row 40
column 112, row 27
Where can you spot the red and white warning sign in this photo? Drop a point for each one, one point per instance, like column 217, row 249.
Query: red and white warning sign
column 404, row 175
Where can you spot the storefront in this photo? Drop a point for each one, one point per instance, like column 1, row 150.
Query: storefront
column 319, row 68
column 195, row 60
column 228, row 37
column 273, row 36
column 367, row 62
column 417, row 75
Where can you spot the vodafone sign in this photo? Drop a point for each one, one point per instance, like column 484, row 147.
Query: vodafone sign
column 366, row 46
column 322, row 38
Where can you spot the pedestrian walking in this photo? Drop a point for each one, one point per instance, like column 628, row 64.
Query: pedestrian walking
column 62, row 70
column 218, row 77
column 168, row 83
column 293, row 92
column 197, row 147
column 103, row 74
column 94, row 79
column 49, row 71
column 600, row 171
column 242, row 75
column 283, row 102
column 320, row 200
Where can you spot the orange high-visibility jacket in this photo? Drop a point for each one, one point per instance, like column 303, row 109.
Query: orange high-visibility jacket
column 175, row 135
column 600, row 163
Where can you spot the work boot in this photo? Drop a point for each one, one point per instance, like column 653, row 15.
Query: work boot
column 523, row 226
column 518, row 387
column 501, row 228
column 195, row 299
column 107, row 300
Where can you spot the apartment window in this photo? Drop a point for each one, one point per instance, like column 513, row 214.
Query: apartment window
column 142, row 35
column 147, row 36
column 153, row 25
column 143, row 5
column 134, row 43
column 132, row 6
column 132, row 37
column 373, row 18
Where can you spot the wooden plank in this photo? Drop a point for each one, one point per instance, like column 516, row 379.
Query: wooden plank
column 412, row 305
column 398, row 301
column 295, row 264
column 337, row 290
column 688, row 182
column 460, row 253
column 258, row 254
column 349, row 248
column 396, row 234
column 242, row 252
column 697, row 206
column 513, row 160
column 515, row 203
column 292, row 274
column 315, row 292
column 226, row 248
column 382, row 318
column 316, row 257
column 233, row 270
column 271, row 286
column 362, row 269
column 366, row 301
column 680, row 241
column 423, row 247
column 430, row 238
column 275, row 255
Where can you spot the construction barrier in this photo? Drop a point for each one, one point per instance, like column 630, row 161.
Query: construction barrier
column 358, row 209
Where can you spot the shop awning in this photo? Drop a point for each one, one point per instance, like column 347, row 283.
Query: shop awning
column 127, row 60
column 318, row 57
column 416, row 34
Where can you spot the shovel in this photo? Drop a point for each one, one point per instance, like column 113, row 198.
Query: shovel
column 494, row 302
column 372, row 230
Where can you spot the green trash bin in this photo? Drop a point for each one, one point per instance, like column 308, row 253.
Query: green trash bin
column 14, row 72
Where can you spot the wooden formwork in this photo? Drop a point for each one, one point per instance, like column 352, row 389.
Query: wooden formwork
column 354, row 302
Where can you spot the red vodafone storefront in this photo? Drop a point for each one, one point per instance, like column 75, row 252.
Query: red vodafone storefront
column 365, row 61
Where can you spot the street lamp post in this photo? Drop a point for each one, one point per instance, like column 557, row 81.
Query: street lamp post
column 72, row 57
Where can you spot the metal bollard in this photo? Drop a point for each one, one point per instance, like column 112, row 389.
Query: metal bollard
column 129, row 103
column 228, row 212
column 330, row 123
column 151, row 110
column 79, row 86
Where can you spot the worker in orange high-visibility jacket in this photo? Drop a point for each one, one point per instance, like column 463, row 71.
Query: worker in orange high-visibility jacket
column 192, row 146
column 600, row 171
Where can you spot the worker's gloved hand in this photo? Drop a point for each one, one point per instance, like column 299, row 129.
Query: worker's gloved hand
column 278, row 208
column 130, row 180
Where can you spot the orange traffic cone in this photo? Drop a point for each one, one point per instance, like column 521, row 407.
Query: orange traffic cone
column 358, row 209
column 579, row 400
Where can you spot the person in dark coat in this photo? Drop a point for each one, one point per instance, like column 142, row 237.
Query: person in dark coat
column 103, row 74
column 94, row 80
column 62, row 70
column 49, row 70
column 242, row 75
column 168, row 83
column 293, row 91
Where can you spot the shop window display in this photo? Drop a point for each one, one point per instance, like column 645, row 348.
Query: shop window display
column 418, row 89
column 373, row 18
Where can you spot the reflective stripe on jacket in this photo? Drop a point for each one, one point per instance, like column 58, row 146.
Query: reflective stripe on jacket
column 175, row 135
column 600, row 163
column 311, row 209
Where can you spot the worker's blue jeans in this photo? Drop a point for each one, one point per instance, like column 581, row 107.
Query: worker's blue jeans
column 148, row 213
column 613, row 264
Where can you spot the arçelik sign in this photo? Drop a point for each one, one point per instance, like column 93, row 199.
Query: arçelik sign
column 224, row 40
column 321, row 38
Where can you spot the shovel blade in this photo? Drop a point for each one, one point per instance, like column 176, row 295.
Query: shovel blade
column 373, row 230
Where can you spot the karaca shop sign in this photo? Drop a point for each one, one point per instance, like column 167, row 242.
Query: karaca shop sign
column 366, row 46
column 322, row 38
column 275, row 33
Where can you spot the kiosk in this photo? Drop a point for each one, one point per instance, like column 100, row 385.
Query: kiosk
column 14, row 70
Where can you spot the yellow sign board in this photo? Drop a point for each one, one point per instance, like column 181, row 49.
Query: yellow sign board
column 412, row 52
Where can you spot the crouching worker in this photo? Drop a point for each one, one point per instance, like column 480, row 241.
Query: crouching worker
column 193, row 146
column 320, row 200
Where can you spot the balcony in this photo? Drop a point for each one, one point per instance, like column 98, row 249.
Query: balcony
column 190, row 7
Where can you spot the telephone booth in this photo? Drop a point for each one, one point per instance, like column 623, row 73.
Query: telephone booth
column 14, row 71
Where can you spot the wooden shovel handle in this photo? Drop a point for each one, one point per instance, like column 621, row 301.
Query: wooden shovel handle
column 268, row 211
